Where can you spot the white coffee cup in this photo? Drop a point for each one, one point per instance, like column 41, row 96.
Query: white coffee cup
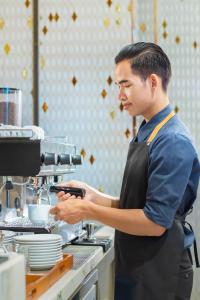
column 39, row 213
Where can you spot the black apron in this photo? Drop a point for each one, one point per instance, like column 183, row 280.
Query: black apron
column 146, row 268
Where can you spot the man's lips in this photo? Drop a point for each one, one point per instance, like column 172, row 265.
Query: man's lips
column 126, row 105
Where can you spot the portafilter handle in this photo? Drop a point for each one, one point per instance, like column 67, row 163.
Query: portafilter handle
column 78, row 192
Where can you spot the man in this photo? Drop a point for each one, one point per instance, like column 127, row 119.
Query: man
column 158, row 189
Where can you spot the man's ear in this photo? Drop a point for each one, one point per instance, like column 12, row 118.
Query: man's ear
column 154, row 80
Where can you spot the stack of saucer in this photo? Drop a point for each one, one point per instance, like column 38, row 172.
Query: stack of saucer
column 44, row 250
column 8, row 236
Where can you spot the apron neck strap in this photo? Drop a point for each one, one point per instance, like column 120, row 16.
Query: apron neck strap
column 159, row 126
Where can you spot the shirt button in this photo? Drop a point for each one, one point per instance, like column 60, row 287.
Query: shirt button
column 186, row 276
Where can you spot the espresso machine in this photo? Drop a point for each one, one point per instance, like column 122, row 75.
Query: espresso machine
column 32, row 168
column 32, row 165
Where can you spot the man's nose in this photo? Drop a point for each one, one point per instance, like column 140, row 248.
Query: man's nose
column 121, row 95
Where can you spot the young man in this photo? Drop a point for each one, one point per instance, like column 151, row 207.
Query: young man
column 158, row 188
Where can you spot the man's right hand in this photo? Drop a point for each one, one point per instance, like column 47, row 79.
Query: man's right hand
column 90, row 194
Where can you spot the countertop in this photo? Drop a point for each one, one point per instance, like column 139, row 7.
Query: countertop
column 91, row 256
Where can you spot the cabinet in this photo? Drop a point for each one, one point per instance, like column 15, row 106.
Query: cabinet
column 88, row 288
column 91, row 294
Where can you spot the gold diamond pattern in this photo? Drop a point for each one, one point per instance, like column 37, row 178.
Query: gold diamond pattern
column 127, row 133
column 7, row 48
column 30, row 22
column 56, row 17
column 83, row 153
column 42, row 62
column 176, row 109
column 194, row 44
column 45, row 107
column 50, row 17
column 2, row 23
column 118, row 22
column 113, row 115
column 164, row 24
column 143, row 27
column 24, row 74
column 130, row 7
column 177, row 39
column 45, row 30
column 106, row 22
column 104, row 93
column 74, row 16
column 109, row 80
column 27, row 3
column 117, row 8
column 121, row 107
column 92, row 159
column 165, row 34
column 109, row 2
column 74, row 81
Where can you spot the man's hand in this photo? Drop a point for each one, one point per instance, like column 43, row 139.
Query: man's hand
column 92, row 194
column 71, row 211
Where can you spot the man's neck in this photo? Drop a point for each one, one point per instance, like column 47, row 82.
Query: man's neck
column 160, row 105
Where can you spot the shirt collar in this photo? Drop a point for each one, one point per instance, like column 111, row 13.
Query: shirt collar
column 145, row 129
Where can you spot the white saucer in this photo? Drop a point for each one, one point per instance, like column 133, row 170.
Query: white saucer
column 47, row 238
column 35, row 242
column 41, row 268
column 38, row 245
column 47, row 263
column 44, row 261
column 44, row 255
column 43, row 265
column 58, row 252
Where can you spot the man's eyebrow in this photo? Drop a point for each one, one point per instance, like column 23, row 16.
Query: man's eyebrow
column 121, row 81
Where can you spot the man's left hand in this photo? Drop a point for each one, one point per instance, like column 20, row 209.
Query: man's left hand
column 71, row 211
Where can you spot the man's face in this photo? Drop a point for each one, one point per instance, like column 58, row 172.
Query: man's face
column 135, row 93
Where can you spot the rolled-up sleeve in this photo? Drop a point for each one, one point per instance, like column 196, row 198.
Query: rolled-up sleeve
column 171, row 162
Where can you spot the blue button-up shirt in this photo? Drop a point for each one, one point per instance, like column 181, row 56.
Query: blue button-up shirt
column 173, row 172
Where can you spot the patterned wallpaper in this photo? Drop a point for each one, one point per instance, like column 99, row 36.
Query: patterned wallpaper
column 16, row 50
column 78, row 97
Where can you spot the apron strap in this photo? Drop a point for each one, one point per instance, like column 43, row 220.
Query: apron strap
column 159, row 126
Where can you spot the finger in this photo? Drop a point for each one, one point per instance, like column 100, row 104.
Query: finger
column 53, row 210
column 64, row 197
column 72, row 197
column 60, row 194
column 79, row 197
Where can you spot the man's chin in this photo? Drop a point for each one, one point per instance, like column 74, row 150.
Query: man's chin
column 132, row 114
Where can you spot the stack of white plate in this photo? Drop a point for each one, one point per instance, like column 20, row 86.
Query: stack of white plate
column 8, row 236
column 44, row 250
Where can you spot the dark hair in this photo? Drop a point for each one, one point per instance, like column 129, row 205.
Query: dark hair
column 145, row 59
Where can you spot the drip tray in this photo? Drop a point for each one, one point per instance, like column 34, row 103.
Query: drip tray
column 24, row 225
column 104, row 242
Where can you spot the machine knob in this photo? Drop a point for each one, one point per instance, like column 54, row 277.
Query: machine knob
column 8, row 185
column 55, row 178
column 76, row 159
column 48, row 159
column 64, row 159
